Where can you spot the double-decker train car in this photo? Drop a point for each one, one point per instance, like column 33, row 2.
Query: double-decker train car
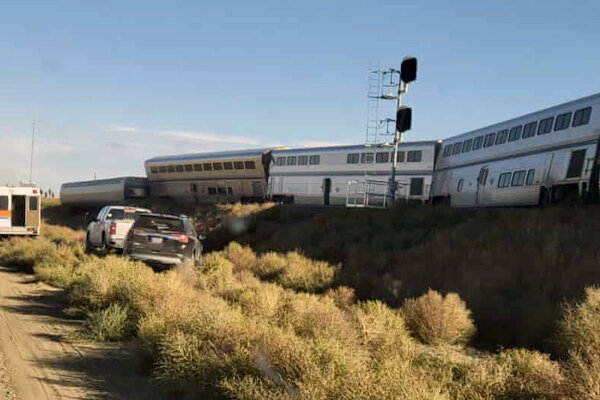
column 321, row 175
column 118, row 191
column 215, row 177
column 543, row 156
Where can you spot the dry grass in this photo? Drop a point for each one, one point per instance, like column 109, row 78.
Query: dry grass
column 579, row 338
column 291, row 270
column 437, row 319
column 222, row 330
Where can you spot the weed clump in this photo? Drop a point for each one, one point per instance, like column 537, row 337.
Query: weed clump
column 579, row 338
column 435, row 319
column 110, row 324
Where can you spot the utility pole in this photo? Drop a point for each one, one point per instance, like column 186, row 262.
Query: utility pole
column 32, row 146
column 408, row 73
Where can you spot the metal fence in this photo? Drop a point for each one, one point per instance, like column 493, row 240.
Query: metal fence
column 368, row 194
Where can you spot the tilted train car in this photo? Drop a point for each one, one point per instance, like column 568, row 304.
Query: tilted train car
column 321, row 175
column 117, row 191
column 216, row 177
column 542, row 156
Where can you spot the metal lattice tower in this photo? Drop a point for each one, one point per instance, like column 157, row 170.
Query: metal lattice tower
column 383, row 85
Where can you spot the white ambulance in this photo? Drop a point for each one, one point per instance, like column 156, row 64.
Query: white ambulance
column 20, row 211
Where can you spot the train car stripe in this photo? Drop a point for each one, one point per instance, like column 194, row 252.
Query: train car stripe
column 521, row 154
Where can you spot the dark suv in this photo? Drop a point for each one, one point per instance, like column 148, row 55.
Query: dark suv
column 163, row 239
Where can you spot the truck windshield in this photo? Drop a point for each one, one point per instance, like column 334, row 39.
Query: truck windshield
column 159, row 224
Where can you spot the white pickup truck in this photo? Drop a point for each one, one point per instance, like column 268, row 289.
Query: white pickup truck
column 109, row 228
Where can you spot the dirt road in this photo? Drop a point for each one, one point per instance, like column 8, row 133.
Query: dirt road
column 42, row 362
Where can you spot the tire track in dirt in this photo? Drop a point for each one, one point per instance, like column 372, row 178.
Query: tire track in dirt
column 43, row 364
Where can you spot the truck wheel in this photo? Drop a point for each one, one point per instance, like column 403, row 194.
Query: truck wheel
column 102, row 243
column 88, row 246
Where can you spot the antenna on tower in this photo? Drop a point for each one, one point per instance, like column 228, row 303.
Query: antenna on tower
column 32, row 147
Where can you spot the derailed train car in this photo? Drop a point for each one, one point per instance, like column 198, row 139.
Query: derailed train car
column 216, row 177
column 537, row 158
column 117, row 191
column 321, row 175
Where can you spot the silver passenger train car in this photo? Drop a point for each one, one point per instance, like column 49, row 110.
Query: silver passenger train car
column 543, row 156
column 321, row 175
column 216, row 177
column 123, row 190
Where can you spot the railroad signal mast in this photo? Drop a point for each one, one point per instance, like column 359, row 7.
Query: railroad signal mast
column 408, row 74
column 390, row 85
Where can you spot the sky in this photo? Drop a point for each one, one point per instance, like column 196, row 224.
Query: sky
column 112, row 83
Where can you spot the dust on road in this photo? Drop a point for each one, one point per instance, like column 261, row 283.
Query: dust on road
column 42, row 363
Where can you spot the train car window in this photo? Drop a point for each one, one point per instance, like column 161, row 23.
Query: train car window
column 399, row 157
column 518, row 178
column 230, row 191
column 228, row 165
column 162, row 169
column 529, row 129
column 416, row 186
column 154, row 170
column 366, row 158
column 33, row 204
column 467, row 144
column 291, row 160
column 504, row 179
column 212, row 191
column 281, row 160
column 3, row 203
column 189, row 168
column 545, row 126
column 414, row 156
column 459, row 186
column 207, row 167
column 447, row 150
column 489, row 139
column 217, row 166
column 315, row 160
column 530, row 176
column 170, row 168
column 515, row 133
column 302, row 160
column 456, row 148
column 563, row 121
column 352, row 158
column 238, row 165
column 501, row 136
column 249, row 165
column 179, row 168
column 221, row 191
column 382, row 157
column 477, row 142
column 582, row 117
column 197, row 167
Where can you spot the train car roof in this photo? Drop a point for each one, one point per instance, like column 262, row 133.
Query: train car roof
column 217, row 155
column 108, row 181
column 326, row 149
column 533, row 115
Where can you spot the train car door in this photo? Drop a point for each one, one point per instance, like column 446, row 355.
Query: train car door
column 326, row 190
column 481, row 181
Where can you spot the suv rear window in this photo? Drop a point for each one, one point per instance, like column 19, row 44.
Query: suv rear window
column 159, row 224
